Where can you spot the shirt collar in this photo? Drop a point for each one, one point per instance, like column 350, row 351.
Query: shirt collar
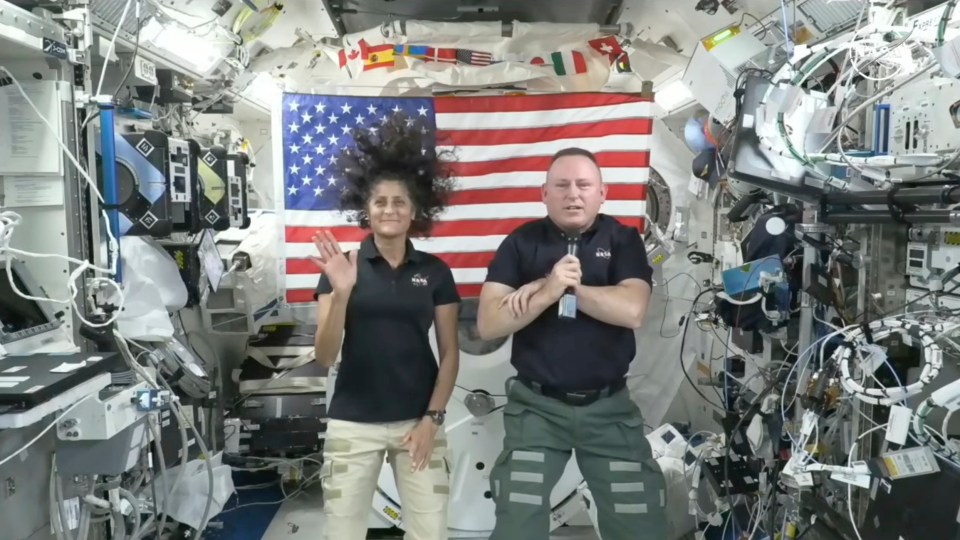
column 368, row 250
column 555, row 229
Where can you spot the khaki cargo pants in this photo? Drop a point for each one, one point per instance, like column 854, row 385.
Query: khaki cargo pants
column 612, row 452
column 353, row 456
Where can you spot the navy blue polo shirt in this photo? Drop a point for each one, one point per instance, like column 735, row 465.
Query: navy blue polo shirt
column 583, row 353
column 387, row 367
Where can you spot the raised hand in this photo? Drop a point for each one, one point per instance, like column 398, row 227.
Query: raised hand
column 340, row 269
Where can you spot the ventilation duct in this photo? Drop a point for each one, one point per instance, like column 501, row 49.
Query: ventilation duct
column 108, row 12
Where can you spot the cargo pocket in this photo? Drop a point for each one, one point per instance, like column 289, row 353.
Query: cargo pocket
column 640, row 461
column 441, row 476
column 513, row 415
column 634, row 440
column 327, row 482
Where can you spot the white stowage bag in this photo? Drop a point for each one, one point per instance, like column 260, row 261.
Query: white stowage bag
column 265, row 250
column 189, row 497
column 152, row 288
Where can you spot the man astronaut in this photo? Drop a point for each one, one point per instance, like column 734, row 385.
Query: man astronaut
column 570, row 392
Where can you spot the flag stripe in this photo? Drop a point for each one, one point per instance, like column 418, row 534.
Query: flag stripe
column 548, row 102
column 541, row 119
column 460, row 275
column 619, row 175
column 535, row 194
column 528, row 210
column 305, row 296
column 500, row 165
column 474, row 137
column 579, row 62
column 461, row 233
column 479, row 259
column 483, row 153
column 542, row 163
column 558, row 65
column 468, row 240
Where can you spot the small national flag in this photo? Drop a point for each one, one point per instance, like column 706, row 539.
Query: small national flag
column 474, row 58
column 607, row 46
column 564, row 62
column 416, row 51
column 377, row 56
column 441, row 55
column 503, row 146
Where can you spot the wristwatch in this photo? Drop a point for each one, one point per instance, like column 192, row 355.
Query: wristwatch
column 436, row 416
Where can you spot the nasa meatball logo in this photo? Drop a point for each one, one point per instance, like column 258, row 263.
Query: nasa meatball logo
column 419, row 281
column 603, row 253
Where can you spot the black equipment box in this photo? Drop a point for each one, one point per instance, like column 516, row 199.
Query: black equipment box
column 289, row 425
column 30, row 380
column 915, row 508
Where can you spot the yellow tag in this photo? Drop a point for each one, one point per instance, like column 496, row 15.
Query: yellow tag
column 393, row 514
column 892, row 468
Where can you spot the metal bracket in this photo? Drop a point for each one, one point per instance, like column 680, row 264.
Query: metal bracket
column 27, row 29
column 814, row 228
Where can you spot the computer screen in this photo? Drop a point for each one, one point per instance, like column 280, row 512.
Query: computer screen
column 210, row 258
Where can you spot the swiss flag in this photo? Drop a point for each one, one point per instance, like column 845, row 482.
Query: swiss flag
column 607, row 46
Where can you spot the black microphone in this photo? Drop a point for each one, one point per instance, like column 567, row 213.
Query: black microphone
column 567, row 308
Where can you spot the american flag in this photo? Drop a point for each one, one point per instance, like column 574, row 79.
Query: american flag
column 503, row 146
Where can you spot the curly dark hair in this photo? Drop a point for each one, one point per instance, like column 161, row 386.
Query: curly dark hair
column 395, row 152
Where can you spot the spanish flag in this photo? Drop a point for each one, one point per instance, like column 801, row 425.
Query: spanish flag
column 378, row 56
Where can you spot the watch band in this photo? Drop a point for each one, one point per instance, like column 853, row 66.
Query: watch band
column 436, row 416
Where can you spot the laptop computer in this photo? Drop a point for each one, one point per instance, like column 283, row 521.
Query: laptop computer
column 29, row 380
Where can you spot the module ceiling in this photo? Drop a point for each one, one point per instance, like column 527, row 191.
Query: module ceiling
column 359, row 15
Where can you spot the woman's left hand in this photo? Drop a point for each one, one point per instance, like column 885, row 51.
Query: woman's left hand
column 420, row 444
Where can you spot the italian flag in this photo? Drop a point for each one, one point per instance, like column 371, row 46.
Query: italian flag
column 564, row 62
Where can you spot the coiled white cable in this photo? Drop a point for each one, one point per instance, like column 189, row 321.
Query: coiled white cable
column 880, row 329
column 10, row 220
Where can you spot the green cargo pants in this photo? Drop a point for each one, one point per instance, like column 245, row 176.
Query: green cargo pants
column 612, row 452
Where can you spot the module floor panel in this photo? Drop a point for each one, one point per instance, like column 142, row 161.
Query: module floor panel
column 302, row 518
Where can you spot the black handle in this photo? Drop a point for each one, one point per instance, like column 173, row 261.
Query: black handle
column 739, row 211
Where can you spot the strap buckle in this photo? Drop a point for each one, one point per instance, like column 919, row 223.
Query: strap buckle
column 579, row 395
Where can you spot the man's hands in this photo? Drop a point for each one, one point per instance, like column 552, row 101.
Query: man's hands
column 566, row 273
column 420, row 444
column 519, row 300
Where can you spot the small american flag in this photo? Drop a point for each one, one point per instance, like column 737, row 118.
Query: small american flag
column 503, row 146
column 474, row 58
